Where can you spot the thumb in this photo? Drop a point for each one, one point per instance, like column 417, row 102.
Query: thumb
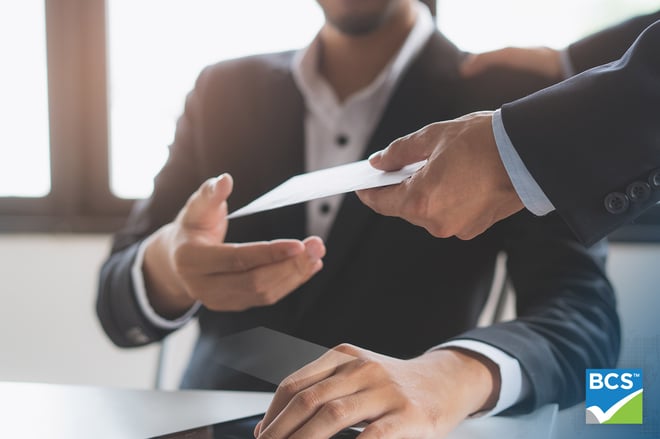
column 207, row 207
column 406, row 150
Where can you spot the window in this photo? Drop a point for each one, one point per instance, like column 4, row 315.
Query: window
column 480, row 25
column 156, row 50
column 93, row 88
column 24, row 139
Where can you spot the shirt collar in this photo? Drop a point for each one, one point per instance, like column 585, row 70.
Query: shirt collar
column 318, row 93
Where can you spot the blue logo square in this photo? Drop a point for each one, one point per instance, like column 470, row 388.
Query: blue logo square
column 614, row 396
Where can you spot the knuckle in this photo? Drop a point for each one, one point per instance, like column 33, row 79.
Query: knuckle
column 307, row 400
column 288, row 387
column 408, row 408
column 439, row 230
column 416, row 205
column 378, row 430
column 348, row 349
column 372, row 368
column 336, row 410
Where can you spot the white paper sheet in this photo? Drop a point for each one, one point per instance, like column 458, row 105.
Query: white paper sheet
column 324, row 183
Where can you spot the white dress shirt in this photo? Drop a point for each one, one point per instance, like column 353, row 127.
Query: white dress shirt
column 338, row 133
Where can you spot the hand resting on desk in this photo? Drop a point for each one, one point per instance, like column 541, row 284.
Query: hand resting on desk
column 425, row 397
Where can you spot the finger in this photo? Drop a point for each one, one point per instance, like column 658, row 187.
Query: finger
column 228, row 258
column 470, row 65
column 343, row 412
column 312, row 373
column 403, row 151
column 257, row 429
column 475, row 64
column 386, row 200
column 386, row 426
column 263, row 285
column 207, row 207
column 329, row 404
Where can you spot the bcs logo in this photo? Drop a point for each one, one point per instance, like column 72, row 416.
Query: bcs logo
column 614, row 396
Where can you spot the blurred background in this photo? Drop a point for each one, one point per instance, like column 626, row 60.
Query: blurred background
column 90, row 91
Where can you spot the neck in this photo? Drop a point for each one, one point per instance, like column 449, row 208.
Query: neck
column 350, row 63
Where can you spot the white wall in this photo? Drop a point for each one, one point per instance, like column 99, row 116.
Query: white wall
column 49, row 331
column 48, row 327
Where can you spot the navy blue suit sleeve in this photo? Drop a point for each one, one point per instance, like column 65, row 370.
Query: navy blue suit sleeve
column 566, row 310
column 594, row 135
column 117, row 308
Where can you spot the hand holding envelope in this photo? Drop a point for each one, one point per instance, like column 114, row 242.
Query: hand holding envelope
column 187, row 262
column 324, row 183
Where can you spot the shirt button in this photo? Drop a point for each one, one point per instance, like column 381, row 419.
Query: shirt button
column 325, row 208
column 342, row 140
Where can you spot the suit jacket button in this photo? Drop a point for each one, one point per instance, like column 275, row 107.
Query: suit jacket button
column 616, row 203
column 638, row 191
column 654, row 179
column 136, row 335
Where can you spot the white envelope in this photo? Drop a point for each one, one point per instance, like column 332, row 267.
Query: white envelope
column 324, row 183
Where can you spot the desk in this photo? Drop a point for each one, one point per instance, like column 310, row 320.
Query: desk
column 29, row 410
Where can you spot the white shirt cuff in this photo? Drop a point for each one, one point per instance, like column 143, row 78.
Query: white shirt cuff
column 513, row 385
column 143, row 301
column 526, row 187
column 567, row 69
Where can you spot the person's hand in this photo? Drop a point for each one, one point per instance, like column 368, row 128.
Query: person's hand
column 462, row 190
column 542, row 60
column 188, row 260
column 425, row 397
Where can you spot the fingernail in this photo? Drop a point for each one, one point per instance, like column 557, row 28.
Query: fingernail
column 214, row 184
column 315, row 250
column 376, row 156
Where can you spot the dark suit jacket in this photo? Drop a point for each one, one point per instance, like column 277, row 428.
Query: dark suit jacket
column 386, row 285
column 593, row 142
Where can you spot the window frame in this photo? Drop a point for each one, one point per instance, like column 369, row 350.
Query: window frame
column 81, row 200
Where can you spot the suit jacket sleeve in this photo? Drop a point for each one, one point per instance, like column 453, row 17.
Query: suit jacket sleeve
column 566, row 310
column 609, row 44
column 588, row 139
column 214, row 135
column 116, row 306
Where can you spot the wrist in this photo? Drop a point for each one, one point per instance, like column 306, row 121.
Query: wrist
column 485, row 372
column 165, row 289
column 466, row 366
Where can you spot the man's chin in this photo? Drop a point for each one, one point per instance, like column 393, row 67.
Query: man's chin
column 358, row 26
column 359, row 17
